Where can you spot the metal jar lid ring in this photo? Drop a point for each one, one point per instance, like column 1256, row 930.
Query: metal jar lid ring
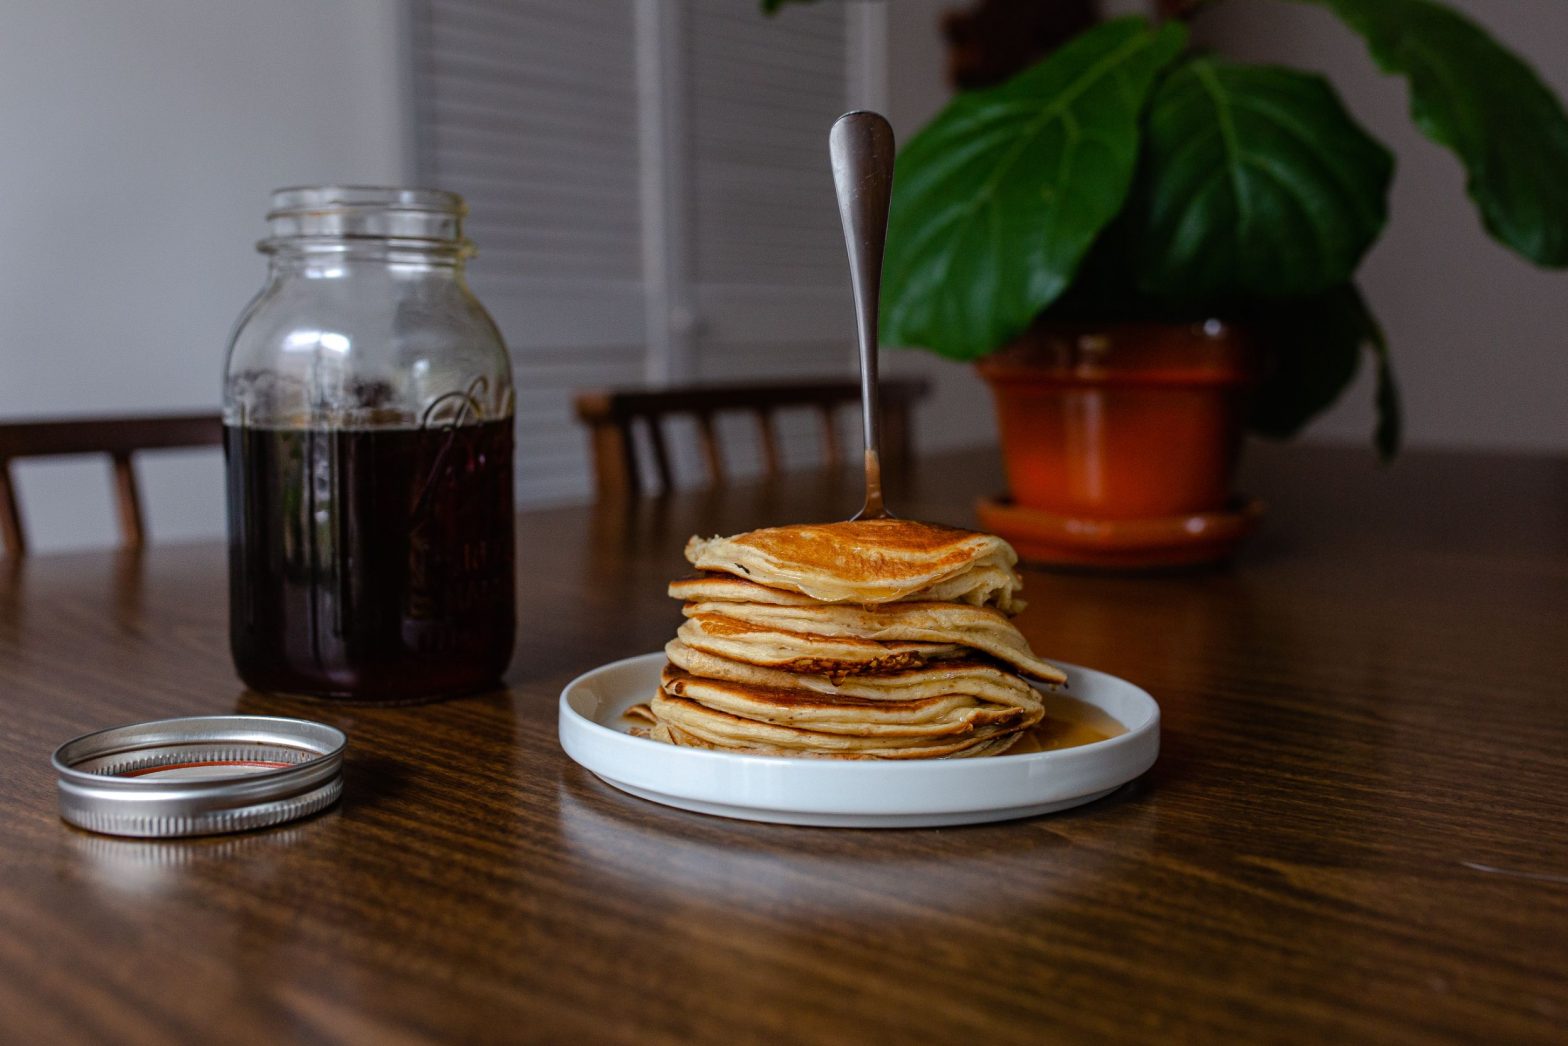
column 200, row 775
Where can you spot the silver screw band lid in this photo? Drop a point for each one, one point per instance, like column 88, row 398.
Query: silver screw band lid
column 199, row 775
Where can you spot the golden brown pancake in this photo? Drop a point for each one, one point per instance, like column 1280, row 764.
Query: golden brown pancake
column 990, row 746
column 688, row 719
column 866, row 561
column 923, row 718
column 972, row 677
column 730, row 589
column 873, row 639
column 973, row 587
column 979, row 628
column 804, row 651
column 673, row 735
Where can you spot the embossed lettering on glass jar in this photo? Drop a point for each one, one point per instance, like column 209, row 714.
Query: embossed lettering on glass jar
column 368, row 410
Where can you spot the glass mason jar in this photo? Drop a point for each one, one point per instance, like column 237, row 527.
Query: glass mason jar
column 368, row 419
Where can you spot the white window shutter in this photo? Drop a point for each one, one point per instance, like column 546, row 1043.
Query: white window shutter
column 770, row 282
column 649, row 189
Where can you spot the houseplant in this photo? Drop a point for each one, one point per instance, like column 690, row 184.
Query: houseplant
column 1149, row 249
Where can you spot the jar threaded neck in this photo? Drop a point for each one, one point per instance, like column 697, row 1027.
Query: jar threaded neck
column 337, row 217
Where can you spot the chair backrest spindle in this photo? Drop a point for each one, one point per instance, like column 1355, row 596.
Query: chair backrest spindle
column 128, row 500
column 712, row 458
column 661, row 454
column 768, row 434
column 832, row 443
column 610, row 415
column 119, row 438
column 11, row 532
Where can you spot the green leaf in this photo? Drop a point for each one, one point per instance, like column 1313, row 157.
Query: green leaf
column 996, row 201
column 1314, row 348
column 1257, row 184
column 1474, row 96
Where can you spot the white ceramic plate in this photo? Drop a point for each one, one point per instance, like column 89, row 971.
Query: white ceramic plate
column 851, row 793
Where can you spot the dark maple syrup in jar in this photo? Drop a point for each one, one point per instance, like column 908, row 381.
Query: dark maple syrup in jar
column 372, row 565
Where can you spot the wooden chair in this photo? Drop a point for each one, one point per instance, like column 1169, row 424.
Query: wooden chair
column 611, row 416
column 118, row 437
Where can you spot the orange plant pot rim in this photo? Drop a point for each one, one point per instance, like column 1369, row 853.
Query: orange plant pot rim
column 1162, row 541
column 1055, row 354
column 1032, row 377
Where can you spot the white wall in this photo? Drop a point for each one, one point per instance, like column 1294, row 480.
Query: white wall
column 141, row 140
column 959, row 413
column 1480, row 338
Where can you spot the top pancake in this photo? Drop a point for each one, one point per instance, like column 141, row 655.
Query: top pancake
column 869, row 561
column 981, row 586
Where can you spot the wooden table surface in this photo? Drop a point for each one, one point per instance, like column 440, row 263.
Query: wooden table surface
column 1357, row 827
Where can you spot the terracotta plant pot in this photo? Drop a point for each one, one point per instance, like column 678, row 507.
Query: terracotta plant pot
column 1120, row 442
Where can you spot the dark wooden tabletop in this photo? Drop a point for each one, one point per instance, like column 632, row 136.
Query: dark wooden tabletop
column 1357, row 827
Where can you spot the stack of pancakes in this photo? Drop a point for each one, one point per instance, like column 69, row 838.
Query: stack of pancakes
column 873, row 639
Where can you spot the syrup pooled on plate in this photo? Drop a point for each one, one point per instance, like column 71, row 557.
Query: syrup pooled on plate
column 1068, row 723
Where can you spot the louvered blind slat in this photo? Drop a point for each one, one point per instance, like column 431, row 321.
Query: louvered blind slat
column 530, row 109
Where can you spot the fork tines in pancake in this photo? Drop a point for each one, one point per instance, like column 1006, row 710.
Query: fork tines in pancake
column 875, row 639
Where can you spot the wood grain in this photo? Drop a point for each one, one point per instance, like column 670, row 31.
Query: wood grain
column 1357, row 829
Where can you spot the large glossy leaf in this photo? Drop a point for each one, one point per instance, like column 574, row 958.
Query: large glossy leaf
column 996, row 201
column 1314, row 348
column 1257, row 183
column 1480, row 100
